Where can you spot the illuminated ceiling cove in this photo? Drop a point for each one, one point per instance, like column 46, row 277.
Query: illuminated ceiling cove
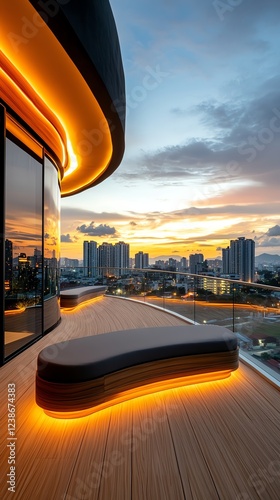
column 43, row 86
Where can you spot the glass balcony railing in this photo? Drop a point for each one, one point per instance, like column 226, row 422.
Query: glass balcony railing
column 251, row 310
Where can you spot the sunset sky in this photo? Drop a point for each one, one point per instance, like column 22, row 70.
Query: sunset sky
column 201, row 164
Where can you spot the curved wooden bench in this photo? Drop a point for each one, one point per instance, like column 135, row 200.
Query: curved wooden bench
column 91, row 373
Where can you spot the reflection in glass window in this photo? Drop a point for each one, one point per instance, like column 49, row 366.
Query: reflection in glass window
column 23, row 248
column 51, row 245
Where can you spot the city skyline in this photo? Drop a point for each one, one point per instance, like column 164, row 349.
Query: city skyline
column 238, row 258
column 201, row 164
column 152, row 260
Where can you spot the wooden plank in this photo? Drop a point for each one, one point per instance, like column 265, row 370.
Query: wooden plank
column 116, row 472
column 229, row 437
column 154, row 464
column 196, row 477
column 85, row 477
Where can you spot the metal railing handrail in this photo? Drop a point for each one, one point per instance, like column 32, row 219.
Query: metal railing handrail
column 184, row 273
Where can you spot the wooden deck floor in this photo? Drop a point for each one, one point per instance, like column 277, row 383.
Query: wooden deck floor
column 212, row 441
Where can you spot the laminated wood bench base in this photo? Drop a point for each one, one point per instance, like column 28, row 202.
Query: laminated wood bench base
column 88, row 374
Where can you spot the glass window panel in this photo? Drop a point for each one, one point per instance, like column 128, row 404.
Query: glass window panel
column 23, row 248
column 51, row 245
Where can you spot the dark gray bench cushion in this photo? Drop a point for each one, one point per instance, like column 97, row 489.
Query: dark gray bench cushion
column 75, row 293
column 88, row 358
column 74, row 296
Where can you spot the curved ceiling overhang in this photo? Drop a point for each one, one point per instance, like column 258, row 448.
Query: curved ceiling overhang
column 44, row 86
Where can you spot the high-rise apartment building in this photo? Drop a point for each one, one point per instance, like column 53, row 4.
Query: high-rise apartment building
column 65, row 262
column 183, row 264
column 141, row 260
column 90, row 259
column 121, row 257
column 172, row 264
column 225, row 260
column 106, row 258
column 239, row 259
column 196, row 261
